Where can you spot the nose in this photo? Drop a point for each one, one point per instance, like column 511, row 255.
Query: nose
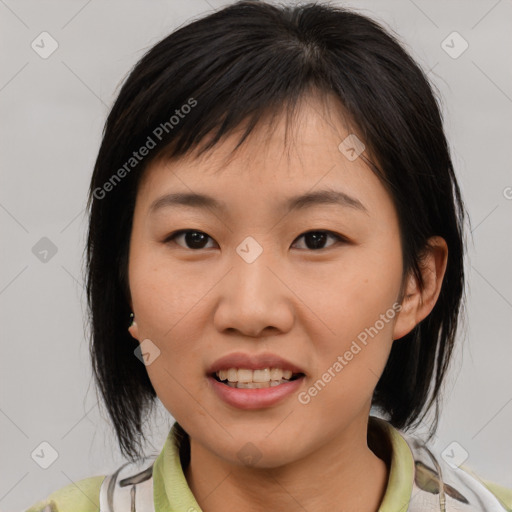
column 254, row 298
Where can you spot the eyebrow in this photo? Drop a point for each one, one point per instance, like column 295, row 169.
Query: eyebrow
column 300, row 202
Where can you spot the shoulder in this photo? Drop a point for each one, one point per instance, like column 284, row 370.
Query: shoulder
column 80, row 496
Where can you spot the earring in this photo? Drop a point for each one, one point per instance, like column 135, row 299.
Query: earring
column 132, row 316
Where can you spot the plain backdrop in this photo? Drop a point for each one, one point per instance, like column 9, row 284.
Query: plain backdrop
column 52, row 114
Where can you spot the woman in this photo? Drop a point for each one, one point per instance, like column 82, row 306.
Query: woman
column 276, row 247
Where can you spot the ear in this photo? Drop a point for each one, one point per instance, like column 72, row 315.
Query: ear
column 134, row 330
column 417, row 303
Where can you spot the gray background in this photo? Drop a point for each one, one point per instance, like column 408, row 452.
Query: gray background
column 52, row 113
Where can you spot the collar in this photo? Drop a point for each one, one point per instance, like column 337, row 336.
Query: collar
column 401, row 468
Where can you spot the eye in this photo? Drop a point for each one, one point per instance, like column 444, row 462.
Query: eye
column 315, row 239
column 195, row 239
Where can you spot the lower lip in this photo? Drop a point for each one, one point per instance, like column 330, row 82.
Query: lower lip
column 254, row 398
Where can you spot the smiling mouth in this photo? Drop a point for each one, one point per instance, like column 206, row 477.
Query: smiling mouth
column 247, row 381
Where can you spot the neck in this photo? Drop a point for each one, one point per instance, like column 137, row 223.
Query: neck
column 344, row 471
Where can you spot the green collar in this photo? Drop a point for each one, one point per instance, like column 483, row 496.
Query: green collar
column 401, row 472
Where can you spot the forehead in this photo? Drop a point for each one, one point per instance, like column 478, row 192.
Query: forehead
column 287, row 157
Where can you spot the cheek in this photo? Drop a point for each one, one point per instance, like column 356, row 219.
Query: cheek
column 163, row 300
column 351, row 293
column 162, row 293
column 357, row 313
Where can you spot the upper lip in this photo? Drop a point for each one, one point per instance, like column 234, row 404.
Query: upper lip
column 253, row 362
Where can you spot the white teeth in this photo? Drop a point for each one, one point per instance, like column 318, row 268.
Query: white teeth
column 269, row 376
column 255, row 385
column 261, row 375
column 249, row 385
column 276, row 373
column 245, row 375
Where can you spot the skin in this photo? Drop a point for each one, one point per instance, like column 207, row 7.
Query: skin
column 307, row 305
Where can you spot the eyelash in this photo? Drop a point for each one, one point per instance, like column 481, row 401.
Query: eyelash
column 176, row 234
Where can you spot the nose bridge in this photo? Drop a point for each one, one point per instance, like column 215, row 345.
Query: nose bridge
column 251, row 269
column 252, row 298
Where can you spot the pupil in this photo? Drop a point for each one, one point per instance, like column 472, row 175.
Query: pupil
column 195, row 239
column 317, row 238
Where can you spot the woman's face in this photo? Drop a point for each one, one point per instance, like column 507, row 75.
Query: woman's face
column 249, row 280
